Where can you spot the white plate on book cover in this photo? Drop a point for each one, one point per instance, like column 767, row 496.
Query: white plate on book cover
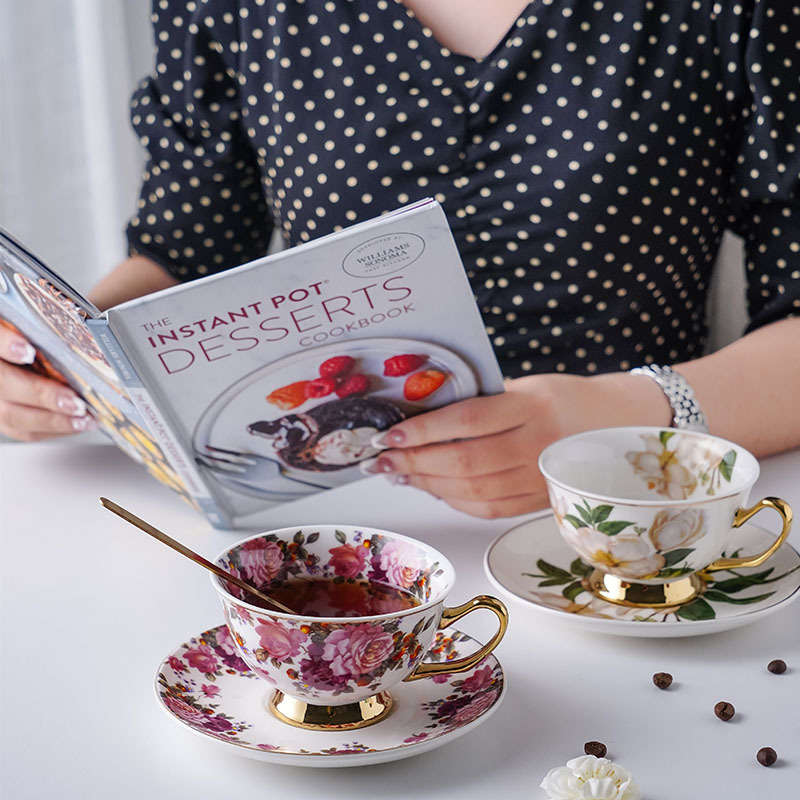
column 225, row 423
column 208, row 689
column 533, row 564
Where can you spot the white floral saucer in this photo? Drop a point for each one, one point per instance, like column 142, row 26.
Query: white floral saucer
column 205, row 686
column 532, row 563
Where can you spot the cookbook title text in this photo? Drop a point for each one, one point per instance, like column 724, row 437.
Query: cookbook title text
column 307, row 312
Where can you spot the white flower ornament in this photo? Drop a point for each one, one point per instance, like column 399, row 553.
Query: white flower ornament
column 590, row 778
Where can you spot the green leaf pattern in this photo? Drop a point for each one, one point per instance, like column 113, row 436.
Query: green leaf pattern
column 575, row 597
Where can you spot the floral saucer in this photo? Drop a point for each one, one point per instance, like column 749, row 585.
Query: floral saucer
column 534, row 564
column 204, row 685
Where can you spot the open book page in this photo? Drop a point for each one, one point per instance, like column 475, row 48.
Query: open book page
column 50, row 314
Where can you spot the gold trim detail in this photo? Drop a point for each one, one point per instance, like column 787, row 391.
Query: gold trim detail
column 451, row 615
column 744, row 514
column 645, row 595
column 348, row 717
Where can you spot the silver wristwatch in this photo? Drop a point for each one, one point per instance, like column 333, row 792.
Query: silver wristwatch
column 686, row 411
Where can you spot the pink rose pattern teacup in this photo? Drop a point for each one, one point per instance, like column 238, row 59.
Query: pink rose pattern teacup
column 339, row 660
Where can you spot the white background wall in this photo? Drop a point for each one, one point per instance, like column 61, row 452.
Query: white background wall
column 69, row 162
column 70, row 165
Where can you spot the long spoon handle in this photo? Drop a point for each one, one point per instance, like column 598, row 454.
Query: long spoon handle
column 185, row 551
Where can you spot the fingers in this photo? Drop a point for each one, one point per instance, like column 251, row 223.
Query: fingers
column 23, row 387
column 31, row 424
column 478, row 416
column 33, row 407
column 503, row 507
column 508, row 483
column 488, row 454
column 14, row 348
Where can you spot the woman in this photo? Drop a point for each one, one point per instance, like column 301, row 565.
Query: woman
column 589, row 155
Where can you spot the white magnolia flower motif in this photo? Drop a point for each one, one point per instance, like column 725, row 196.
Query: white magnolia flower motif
column 662, row 469
column 698, row 455
column 559, row 506
column 671, row 530
column 590, row 778
column 626, row 554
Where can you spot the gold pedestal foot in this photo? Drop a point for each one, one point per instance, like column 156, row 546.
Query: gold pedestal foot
column 330, row 718
column 645, row 595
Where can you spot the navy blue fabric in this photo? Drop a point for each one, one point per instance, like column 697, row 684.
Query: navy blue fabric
column 589, row 166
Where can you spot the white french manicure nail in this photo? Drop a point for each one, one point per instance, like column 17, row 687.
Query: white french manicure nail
column 83, row 423
column 378, row 442
column 71, row 404
column 22, row 352
column 368, row 466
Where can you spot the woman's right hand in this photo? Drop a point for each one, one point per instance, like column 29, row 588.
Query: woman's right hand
column 32, row 407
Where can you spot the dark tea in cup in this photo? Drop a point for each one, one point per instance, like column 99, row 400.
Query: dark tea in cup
column 328, row 597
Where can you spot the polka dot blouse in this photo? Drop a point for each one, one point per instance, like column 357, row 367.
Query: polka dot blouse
column 588, row 166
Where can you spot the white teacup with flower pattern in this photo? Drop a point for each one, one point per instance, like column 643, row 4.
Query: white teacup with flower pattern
column 338, row 661
column 652, row 505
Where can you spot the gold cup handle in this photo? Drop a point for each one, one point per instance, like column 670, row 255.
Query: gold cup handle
column 451, row 615
column 744, row 514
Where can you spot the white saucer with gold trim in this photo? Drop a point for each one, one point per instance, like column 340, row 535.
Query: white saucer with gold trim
column 532, row 563
column 209, row 689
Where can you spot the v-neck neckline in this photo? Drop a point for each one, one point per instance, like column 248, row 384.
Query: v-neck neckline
column 428, row 35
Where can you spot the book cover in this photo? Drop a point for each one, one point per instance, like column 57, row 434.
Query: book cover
column 276, row 375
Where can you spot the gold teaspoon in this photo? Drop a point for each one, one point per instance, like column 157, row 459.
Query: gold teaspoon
column 185, row 551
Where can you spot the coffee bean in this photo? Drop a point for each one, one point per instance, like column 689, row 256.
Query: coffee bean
column 663, row 680
column 595, row 749
column 777, row 667
column 766, row 756
column 724, row 710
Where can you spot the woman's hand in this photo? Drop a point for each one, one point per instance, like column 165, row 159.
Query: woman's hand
column 480, row 455
column 33, row 407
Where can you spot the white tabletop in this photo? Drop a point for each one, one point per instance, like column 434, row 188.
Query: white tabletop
column 90, row 607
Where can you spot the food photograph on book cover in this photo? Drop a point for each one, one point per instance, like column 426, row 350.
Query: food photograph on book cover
column 312, row 416
column 67, row 320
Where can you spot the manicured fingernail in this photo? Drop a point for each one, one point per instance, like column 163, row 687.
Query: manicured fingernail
column 83, row 423
column 398, row 480
column 369, row 466
column 377, row 466
column 387, row 439
column 378, row 441
column 22, row 352
column 71, row 404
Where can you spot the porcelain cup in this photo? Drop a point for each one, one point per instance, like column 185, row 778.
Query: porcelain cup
column 652, row 505
column 319, row 663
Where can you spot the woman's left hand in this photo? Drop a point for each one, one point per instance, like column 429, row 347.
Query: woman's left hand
column 480, row 455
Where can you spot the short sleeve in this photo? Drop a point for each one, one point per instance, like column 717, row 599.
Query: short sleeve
column 202, row 207
column 765, row 189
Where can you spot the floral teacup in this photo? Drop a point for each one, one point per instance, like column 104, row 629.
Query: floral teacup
column 335, row 672
column 650, row 508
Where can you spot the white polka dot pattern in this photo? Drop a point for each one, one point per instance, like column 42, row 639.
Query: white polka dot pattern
column 589, row 165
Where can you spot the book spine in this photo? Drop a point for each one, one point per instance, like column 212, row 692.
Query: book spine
column 158, row 426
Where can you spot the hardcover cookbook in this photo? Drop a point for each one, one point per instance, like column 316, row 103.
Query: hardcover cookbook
column 267, row 382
